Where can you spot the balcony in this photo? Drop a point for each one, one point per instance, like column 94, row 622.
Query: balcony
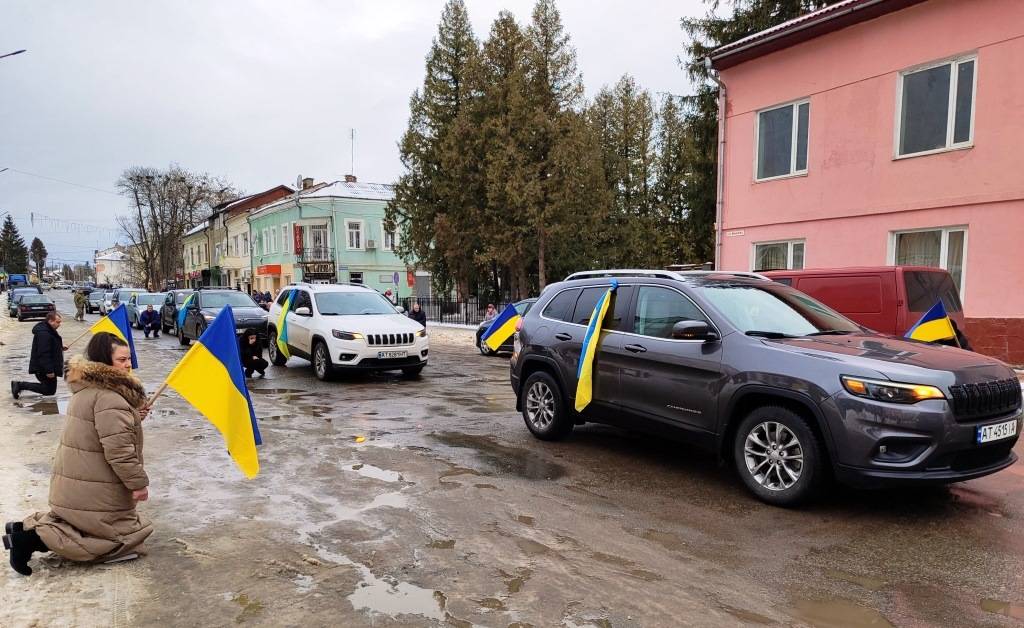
column 315, row 254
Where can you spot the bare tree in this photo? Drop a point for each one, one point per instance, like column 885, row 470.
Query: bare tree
column 165, row 205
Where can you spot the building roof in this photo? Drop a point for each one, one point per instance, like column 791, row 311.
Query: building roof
column 814, row 24
column 201, row 227
column 338, row 189
column 253, row 200
column 116, row 256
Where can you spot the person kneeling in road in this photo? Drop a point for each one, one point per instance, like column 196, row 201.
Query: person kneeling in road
column 46, row 361
column 98, row 477
column 150, row 322
column 251, row 351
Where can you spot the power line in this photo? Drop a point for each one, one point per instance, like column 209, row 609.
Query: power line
column 77, row 185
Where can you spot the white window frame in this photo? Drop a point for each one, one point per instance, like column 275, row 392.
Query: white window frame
column 265, row 244
column 384, row 238
column 245, row 245
column 950, row 111
column 793, row 172
column 362, row 234
column 943, row 249
column 285, row 240
column 789, row 251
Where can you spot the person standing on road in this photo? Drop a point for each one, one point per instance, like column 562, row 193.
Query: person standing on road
column 490, row 313
column 417, row 314
column 46, row 360
column 81, row 300
column 98, row 475
column 251, row 351
column 149, row 320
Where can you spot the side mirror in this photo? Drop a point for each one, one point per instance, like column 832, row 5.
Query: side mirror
column 303, row 311
column 693, row 330
column 400, row 309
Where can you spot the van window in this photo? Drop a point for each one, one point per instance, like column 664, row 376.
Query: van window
column 924, row 288
column 786, row 281
column 859, row 294
column 560, row 308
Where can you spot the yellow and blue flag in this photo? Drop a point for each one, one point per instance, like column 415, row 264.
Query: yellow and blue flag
column 282, row 324
column 933, row 326
column 117, row 323
column 502, row 328
column 585, row 371
column 210, row 378
column 183, row 310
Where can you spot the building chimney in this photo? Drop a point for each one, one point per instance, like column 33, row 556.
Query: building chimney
column 307, row 183
column 350, row 178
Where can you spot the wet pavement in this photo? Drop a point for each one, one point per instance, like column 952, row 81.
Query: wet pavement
column 391, row 502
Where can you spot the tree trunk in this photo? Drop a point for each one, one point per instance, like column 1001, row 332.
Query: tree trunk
column 541, row 278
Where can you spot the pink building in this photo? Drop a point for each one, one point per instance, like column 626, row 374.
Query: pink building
column 877, row 132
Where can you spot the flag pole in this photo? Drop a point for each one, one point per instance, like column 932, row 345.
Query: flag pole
column 159, row 391
column 82, row 335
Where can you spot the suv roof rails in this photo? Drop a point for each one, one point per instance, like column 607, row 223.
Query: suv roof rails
column 661, row 274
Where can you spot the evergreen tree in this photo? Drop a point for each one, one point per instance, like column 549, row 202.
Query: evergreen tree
column 13, row 252
column 430, row 205
column 671, row 174
column 67, row 272
column 701, row 109
column 38, row 253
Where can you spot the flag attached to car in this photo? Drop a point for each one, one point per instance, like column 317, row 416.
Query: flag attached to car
column 502, row 328
column 183, row 310
column 282, row 324
column 933, row 326
column 116, row 323
column 585, row 370
column 210, row 378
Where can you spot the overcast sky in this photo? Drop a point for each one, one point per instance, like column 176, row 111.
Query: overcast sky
column 257, row 92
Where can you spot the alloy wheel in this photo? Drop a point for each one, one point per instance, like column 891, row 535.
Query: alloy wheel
column 320, row 361
column 540, row 406
column 773, row 455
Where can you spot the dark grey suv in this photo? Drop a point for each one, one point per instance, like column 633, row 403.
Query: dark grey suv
column 787, row 389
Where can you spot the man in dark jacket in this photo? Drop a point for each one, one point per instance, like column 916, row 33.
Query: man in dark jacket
column 417, row 314
column 46, row 361
column 149, row 321
column 251, row 351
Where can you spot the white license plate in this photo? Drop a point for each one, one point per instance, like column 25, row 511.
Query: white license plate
column 999, row 431
column 390, row 355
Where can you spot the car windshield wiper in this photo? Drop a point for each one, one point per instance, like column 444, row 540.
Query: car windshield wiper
column 830, row 332
column 769, row 334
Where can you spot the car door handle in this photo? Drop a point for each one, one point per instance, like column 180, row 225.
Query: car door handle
column 563, row 337
column 636, row 348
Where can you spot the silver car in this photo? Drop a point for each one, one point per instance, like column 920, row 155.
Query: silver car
column 138, row 302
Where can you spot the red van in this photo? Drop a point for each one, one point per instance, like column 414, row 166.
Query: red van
column 887, row 299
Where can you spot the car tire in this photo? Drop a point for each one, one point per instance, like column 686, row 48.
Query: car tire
column 182, row 340
column 413, row 371
column 322, row 365
column 21, row 319
column 544, row 409
column 780, row 440
column 276, row 357
column 484, row 349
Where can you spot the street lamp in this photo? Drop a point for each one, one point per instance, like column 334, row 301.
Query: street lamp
column 11, row 54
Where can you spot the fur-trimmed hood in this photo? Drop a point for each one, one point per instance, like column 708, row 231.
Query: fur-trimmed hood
column 82, row 374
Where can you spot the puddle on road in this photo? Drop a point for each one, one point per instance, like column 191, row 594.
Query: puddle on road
column 370, row 471
column 442, row 544
column 502, row 459
column 46, row 407
column 999, row 607
column 385, row 500
column 747, row 616
column 838, row 612
column 391, row 597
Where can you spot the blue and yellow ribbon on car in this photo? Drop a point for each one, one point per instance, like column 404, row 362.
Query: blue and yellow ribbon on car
column 183, row 310
column 585, row 370
column 502, row 328
column 282, row 324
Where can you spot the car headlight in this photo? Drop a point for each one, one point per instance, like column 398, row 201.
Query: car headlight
column 892, row 392
column 346, row 335
column 422, row 333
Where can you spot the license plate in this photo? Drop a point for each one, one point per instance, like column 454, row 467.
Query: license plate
column 999, row 431
column 390, row 355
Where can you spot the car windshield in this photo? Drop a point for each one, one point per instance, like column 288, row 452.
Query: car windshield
column 348, row 303
column 34, row 298
column 96, row 295
column 232, row 298
column 150, row 299
column 771, row 308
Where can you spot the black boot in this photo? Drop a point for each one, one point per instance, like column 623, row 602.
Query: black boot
column 22, row 545
column 15, row 389
column 14, row 526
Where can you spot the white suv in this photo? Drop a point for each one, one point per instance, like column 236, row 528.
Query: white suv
column 342, row 327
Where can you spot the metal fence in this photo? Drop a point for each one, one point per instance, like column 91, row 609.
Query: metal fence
column 451, row 311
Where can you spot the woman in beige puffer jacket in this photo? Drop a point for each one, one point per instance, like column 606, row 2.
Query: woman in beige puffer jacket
column 98, row 475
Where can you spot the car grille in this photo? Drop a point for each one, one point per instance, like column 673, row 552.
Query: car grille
column 969, row 460
column 389, row 339
column 984, row 400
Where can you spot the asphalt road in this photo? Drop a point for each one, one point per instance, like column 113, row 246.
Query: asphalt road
column 449, row 513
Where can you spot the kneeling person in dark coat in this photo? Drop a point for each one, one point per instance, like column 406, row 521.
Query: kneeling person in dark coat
column 251, row 351
column 46, row 361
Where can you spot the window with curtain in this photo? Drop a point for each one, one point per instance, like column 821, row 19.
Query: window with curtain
column 939, row 248
column 788, row 255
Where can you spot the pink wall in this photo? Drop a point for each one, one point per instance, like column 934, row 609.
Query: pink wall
column 850, row 77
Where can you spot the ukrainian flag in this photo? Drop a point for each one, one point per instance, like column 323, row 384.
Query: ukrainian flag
column 585, row 370
column 210, row 378
column 282, row 325
column 933, row 326
column 183, row 310
column 117, row 323
column 501, row 328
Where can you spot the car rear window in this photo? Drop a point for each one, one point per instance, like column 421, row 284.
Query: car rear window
column 925, row 288
column 786, row 281
column 560, row 307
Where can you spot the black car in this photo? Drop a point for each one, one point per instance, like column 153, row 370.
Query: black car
column 776, row 383
column 34, row 289
column 522, row 307
column 31, row 305
column 208, row 303
column 169, row 310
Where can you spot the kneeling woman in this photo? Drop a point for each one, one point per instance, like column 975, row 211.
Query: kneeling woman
column 98, row 475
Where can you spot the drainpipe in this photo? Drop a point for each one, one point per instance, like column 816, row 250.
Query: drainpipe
column 720, row 188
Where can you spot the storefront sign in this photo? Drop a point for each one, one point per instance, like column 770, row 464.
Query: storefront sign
column 297, row 235
column 269, row 269
column 318, row 268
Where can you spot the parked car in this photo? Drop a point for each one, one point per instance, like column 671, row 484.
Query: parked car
column 169, row 310
column 522, row 307
column 887, row 299
column 778, row 384
column 95, row 302
column 18, row 280
column 208, row 303
column 11, row 294
column 346, row 327
column 137, row 304
column 31, row 305
column 123, row 294
column 108, row 302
